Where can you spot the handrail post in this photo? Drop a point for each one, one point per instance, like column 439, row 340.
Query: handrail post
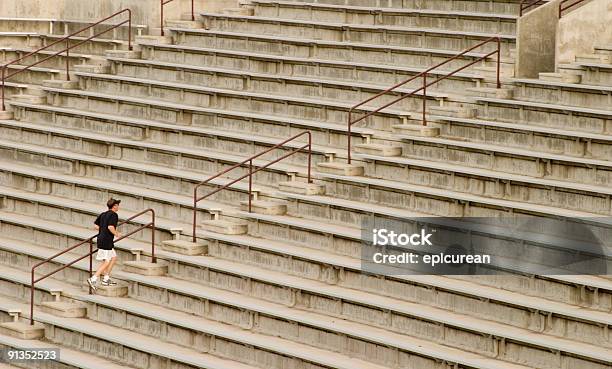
column 153, row 258
column 195, row 203
column 192, row 11
column 348, row 146
column 498, row 61
column 309, row 156
column 424, row 97
column 90, row 262
column 250, row 183
column 32, row 296
column 161, row 23
column 129, row 29
column 67, row 59
column 3, row 77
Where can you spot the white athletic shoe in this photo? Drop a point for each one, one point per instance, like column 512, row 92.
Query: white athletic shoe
column 93, row 284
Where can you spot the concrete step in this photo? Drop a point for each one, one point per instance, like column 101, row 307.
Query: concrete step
column 151, row 39
column 262, row 306
column 30, row 99
column 145, row 267
column 69, row 357
column 92, row 68
column 340, row 168
column 185, row 247
column 188, row 24
column 594, row 58
column 64, row 309
column 147, row 280
column 264, row 207
column 61, row 83
column 560, row 77
column 62, row 329
column 378, row 149
column 239, row 11
column 20, row 329
column 501, row 93
column 303, row 188
column 454, row 111
column 224, row 227
column 431, row 130
column 506, row 71
column 110, row 291
column 124, row 54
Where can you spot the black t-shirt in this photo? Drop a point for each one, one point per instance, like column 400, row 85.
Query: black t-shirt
column 105, row 237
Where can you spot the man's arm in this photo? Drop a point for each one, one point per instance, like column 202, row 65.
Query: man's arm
column 114, row 231
column 113, row 225
column 97, row 223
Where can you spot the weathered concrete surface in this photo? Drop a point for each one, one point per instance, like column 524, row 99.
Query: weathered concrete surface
column 581, row 29
column 535, row 43
column 143, row 12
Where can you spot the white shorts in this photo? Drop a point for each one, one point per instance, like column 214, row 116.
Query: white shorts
column 105, row 254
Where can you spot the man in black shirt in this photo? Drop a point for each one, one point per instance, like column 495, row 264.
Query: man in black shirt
column 106, row 224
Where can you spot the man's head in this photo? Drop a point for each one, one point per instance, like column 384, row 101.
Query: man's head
column 113, row 204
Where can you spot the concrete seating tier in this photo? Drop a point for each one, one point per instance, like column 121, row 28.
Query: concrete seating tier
column 482, row 6
column 354, row 52
column 154, row 174
column 191, row 72
column 162, row 109
column 126, row 347
column 58, row 62
column 69, row 358
column 555, row 167
column 17, row 39
column 576, row 94
column 334, row 92
column 261, row 228
column 426, row 18
column 291, row 292
column 53, row 26
column 381, row 167
column 150, row 296
column 538, row 137
column 373, row 34
column 290, row 66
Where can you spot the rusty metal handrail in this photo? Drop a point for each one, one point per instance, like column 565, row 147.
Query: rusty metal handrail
column 424, row 86
column 163, row 3
column 249, row 160
column 34, row 280
column 526, row 4
column 67, row 49
column 563, row 7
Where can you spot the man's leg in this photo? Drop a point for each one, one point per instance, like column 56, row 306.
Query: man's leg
column 94, row 279
column 102, row 269
column 109, row 267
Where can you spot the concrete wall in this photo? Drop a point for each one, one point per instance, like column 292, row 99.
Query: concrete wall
column 535, row 46
column 144, row 11
column 583, row 28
